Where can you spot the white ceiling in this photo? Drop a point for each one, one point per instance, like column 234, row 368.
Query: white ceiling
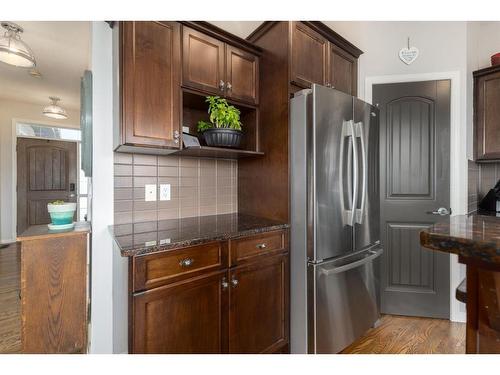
column 62, row 52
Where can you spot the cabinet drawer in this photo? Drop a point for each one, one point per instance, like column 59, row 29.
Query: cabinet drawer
column 243, row 249
column 158, row 269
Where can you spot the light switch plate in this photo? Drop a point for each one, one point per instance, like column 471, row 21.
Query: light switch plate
column 164, row 192
column 150, row 192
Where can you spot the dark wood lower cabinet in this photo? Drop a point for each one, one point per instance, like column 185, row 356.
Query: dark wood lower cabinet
column 258, row 311
column 185, row 317
column 239, row 309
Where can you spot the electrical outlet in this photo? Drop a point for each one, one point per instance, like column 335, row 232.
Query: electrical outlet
column 164, row 192
column 150, row 192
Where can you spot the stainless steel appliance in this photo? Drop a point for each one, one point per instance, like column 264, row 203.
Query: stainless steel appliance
column 335, row 236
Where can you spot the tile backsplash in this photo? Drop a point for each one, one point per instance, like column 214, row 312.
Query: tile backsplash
column 199, row 187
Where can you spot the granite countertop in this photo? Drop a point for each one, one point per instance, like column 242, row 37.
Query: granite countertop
column 474, row 236
column 155, row 236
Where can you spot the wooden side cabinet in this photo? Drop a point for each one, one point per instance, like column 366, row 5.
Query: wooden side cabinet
column 487, row 113
column 242, row 307
column 54, row 298
column 150, row 68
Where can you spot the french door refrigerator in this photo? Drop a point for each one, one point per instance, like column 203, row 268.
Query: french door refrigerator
column 335, row 236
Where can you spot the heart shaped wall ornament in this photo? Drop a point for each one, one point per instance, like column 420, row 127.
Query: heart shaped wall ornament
column 408, row 54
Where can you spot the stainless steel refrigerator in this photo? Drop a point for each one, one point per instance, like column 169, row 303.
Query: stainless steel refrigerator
column 335, row 236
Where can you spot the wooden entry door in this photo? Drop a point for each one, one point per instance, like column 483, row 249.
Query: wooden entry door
column 415, row 181
column 46, row 171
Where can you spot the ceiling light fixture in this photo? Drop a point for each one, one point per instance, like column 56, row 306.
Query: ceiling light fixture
column 54, row 110
column 13, row 50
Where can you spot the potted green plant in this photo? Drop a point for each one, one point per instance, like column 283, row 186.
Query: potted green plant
column 224, row 127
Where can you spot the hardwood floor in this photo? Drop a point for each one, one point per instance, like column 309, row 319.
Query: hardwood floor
column 410, row 335
column 10, row 315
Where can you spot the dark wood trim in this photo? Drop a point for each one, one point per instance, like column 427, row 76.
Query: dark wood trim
column 486, row 71
column 319, row 27
column 334, row 37
column 218, row 33
column 261, row 30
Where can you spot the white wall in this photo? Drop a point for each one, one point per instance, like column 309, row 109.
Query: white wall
column 101, row 332
column 10, row 110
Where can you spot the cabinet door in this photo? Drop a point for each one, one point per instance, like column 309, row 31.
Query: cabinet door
column 150, row 53
column 186, row 317
column 487, row 112
column 343, row 70
column 258, row 312
column 242, row 75
column 309, row 56
column 202, row 62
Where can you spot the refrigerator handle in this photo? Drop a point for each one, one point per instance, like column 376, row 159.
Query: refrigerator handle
column 369, row 256
column 359, row 213
column 348, row 215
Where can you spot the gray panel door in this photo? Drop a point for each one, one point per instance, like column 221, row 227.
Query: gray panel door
column 331, row 110
column 366, row 227
column 415, row 180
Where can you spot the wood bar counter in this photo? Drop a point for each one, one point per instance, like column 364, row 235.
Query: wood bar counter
column 54, row 289
column 476, row 240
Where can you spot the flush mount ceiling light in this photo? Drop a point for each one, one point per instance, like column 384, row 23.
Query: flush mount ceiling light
column 13, row 50
column 54, row 110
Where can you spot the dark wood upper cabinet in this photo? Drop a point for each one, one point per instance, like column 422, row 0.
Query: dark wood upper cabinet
column 150, row 85
column 203, row 65
column 342, row 70
column 258, row 311
column 242, row 75
column 308, row 56
column 186, row 317
column 487, row 113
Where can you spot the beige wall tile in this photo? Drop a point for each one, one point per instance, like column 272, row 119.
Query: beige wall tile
column 145, row 159
column 198, row 187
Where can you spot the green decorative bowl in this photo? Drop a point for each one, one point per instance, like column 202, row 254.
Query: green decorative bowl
column 61, row 214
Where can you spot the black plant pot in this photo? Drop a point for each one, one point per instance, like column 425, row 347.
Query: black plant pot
column 222, row 137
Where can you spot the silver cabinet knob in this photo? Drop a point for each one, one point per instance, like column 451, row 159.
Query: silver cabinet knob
column 234, row 282
column 229, row 86
column 224, row 283
column 176, row 136
column 328, row 84
column 261, row 246
column 221, row 85
column 188, row 262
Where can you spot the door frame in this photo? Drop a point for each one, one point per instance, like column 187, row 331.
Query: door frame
column 50, row 124
column 458, row 161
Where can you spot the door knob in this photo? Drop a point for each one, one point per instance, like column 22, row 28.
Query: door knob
column 442, row 211
column 224, row 283
column 221, row 85
column 234, row 281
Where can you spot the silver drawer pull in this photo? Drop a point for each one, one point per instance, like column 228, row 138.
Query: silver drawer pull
column 261, row 246
column 186, row 262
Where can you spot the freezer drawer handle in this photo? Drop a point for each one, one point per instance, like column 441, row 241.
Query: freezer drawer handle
column 370, row 255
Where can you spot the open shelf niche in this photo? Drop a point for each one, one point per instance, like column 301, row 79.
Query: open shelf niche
column 194, row 109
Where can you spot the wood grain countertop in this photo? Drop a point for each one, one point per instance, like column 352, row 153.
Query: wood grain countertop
column 36, row 232
column 474, row 237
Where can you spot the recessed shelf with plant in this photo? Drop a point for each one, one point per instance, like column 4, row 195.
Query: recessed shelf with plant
column 224, row 114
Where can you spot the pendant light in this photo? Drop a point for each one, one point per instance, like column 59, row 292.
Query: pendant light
column 13, row 50
column 54, row 110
